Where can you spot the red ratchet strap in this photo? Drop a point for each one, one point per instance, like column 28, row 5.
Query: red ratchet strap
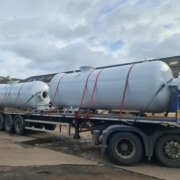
column 77, row 116
column 56, row 93
column 5, row 95
column 8, row 95
column 50, row 109
column 18, row 95
column 91, row 100
column 125, row 88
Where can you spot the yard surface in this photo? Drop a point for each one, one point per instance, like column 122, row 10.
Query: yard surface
column 39, row 155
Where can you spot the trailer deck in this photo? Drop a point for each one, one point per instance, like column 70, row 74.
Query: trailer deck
column 69, row 117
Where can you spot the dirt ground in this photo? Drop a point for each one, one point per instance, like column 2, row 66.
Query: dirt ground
column 69, row 172
column 67, row 145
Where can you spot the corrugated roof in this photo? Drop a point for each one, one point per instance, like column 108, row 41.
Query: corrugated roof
column 4, row 80
column 45, row 78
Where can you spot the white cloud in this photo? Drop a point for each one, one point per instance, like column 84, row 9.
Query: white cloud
column 41, row 37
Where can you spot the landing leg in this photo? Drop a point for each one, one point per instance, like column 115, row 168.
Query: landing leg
column 76, row 126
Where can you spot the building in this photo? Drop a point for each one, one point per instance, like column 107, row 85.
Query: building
column 4, row 80
column 173, row 62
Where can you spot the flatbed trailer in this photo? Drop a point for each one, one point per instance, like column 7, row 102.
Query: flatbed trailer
column 126, row 138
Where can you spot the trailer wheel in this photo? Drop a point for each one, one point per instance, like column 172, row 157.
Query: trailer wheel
column 167, row 150
column 9, row 124
column 1, row 122
column 125, row 148
column 18, row 125
column 51, row 127
column 38, row 125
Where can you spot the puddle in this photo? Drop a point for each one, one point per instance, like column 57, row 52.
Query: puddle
column 46, row 141
column 67, row 145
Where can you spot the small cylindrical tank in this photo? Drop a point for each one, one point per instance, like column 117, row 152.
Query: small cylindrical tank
column 144, row 81
column 24, row 95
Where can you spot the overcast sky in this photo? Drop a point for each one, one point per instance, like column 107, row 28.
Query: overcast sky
column 48, row 36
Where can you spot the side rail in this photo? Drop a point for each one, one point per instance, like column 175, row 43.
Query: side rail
column 64, row 128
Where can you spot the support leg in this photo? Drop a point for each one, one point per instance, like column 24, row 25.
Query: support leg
column 76, row 126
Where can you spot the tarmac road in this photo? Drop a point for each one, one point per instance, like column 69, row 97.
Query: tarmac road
column 45, row 156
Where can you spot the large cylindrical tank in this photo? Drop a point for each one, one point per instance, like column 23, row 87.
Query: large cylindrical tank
column 144, row 81
column 24, row 95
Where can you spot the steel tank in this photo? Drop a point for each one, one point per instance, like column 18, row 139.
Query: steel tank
column 145, row 79
column 24, row 95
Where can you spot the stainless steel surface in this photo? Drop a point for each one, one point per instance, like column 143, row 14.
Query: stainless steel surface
column 26, row 95
column 144, row 81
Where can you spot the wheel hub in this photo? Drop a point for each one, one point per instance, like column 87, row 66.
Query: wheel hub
column 172, row 149
column 18, row 125
column 125, row 148
column 8, row 123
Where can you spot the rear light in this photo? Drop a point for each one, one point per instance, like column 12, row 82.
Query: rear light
column 100, row 139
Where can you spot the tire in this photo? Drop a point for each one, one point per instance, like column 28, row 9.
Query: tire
column 38, row 125
column 18, row 125
column 1, row 122
column 8, row 123
column 125, row 148
column 51, row 127
column 167, row 150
